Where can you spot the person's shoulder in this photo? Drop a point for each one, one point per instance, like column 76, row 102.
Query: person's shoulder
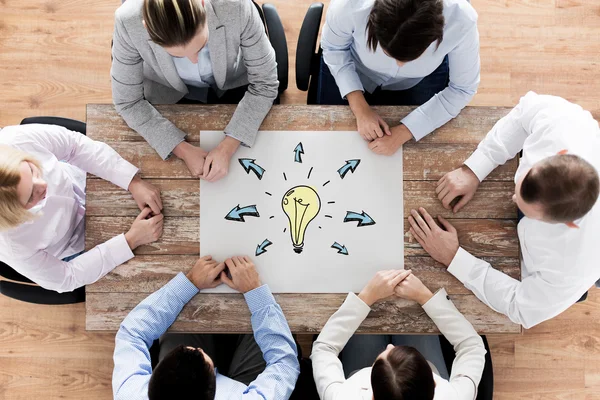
column 8, row 133
column 130, row 10
column 460, row 12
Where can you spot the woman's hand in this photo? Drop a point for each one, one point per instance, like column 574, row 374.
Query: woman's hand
column 217, row 161
column 192, row 156
column 382, row 285
column 411, row 288
column 368, row 123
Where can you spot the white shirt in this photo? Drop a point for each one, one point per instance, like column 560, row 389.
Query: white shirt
column 199, row 75
column 328, row 370
column 35, row 249
column 559, row 263
column 355, row 67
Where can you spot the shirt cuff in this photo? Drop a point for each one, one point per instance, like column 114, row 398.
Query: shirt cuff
column 462, row 264
column 259, row 298
column 119, row 249
column 124, row 174
column 480, row 164
column 441, row 296
column 242, row 143
column 418, row 124
column 183, row 288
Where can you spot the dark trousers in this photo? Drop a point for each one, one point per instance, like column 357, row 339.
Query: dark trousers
column 231, row 96
column 235, row 356
column 329, row 93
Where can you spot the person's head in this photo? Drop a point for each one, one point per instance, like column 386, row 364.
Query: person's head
column 179, row 26
column 558, row 189
column 402, row 373
column 186, row 373
column 22, row 187
column 405, row 28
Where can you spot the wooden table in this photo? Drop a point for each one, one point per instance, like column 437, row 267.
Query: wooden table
column 487, row 226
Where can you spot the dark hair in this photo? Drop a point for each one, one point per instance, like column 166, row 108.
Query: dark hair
column 173, row 22
column 405, row 28
column 183, row 374
column 565, row 185
column 403, row 375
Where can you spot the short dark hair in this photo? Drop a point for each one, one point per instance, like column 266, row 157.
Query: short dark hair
column 405, row 28
column 173, row 22
column 183, row 374
column 403, row 375
column 565, row 185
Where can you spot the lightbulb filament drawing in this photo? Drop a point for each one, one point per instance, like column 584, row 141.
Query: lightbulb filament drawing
column 301, row 204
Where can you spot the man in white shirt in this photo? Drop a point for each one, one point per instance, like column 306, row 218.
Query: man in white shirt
column 557, row 188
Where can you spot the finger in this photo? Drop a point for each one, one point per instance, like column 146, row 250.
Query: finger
column 373, row 144
column 157, row 218
column 415, row 229
column 225, row 279
column 447, row 225
column 247, row 259
column 158, row 200
column 153, row 206
column 462, row 202
column 385, row 126
column 444, row 192
column 442, row 179
column 400, row 277
column 421, row 222
column 216, row 270
column 418, row 238
column 440, row 186
column 215, row 283
column 449, row 198
column 428, row 219
column 378, row 130
column 206, row 258
column 211, row 175
column 144, row 214
column 230, row 264
column 207, row 164
column 238, row 261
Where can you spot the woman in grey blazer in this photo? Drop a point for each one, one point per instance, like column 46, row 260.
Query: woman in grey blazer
column 167, row 51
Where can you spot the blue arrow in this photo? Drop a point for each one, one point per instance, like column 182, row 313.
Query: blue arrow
column 261, row 248
column 363, row 219
column 342, row 249
column 298, row 150
column 250, row 165
column 350, row 166
column 237, row 213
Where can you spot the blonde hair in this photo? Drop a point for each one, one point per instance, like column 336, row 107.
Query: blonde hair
column 12, row 212
column 173, row 22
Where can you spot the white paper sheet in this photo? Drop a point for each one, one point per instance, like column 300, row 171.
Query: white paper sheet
column 374, row 186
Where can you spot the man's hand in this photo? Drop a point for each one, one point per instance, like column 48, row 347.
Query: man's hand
column 441, row 244
column 217, row 161
column 145, row 194
column 145, row 229
column 244, row 276
column 460, row 182
column 389, row 145
column 205, row 273
column 382, row 285
column 413, row 289
column 192, row 156
column 369, row 124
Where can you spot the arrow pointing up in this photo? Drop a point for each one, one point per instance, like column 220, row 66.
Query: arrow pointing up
column 298, row 150
column 342, row 249
column 237, row 214
column 261, row 248
column 363, row 219
column 349, row 166
column 250, row 165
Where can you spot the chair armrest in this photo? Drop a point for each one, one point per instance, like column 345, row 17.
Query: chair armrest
column 307, row 43
column 279, row 43
column 70, row 124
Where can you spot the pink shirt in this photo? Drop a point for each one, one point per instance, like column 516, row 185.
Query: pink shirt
column 35, row 249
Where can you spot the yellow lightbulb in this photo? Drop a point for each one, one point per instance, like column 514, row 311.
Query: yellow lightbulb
column 301, row 204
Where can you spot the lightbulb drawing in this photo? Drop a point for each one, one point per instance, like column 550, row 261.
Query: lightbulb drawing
column 301, row 204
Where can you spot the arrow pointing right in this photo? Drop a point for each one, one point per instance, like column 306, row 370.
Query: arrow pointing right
column 363, row 219
column 342, row 249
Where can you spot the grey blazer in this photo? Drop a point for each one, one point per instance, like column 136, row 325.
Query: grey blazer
column 143, row 73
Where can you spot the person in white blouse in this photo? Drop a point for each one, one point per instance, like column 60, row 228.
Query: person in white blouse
column 389, row 371
column 399, row 52
column 556, row 190
column 42, row 206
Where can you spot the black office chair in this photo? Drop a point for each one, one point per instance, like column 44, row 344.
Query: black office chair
column 21, row 288
column 485, row 391
column 307, row 60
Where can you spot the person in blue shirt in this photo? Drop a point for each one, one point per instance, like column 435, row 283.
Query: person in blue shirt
column 261, row 367
column 399, row 52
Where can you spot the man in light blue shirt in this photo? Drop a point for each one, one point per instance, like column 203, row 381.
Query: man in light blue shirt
column 399, row 52
column 190, row 373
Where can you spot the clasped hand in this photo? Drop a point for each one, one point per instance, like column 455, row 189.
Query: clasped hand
column 401, row 283
column 239, row 273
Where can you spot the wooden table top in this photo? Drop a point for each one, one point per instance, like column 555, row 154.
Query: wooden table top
column 486, row 226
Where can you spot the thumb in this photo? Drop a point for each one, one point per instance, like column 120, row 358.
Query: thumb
column 400, row 277
column 463, row 201
column 144, row 214
column 386, row 127
column 447, row 225
column 225, row 279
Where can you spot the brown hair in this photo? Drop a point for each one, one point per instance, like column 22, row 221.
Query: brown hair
column 405, row 28
column 12, row 212
column 565, row 185
column 173, row 22
column 403, row 375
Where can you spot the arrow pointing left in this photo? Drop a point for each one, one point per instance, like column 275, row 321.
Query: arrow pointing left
column 262, row 248
column 238, row 214
column 250, row 165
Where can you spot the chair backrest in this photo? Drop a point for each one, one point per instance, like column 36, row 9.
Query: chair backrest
column 70, row 124
column 307, row 61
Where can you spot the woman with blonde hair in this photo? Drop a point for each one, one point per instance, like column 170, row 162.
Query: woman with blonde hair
column 206, row 51
column 42, row 206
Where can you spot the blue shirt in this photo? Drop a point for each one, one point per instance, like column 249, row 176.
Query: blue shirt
column 151, row 318
column 197, row 77
column 355, row 67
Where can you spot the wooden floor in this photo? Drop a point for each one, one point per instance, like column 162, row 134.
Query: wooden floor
column 55, row 58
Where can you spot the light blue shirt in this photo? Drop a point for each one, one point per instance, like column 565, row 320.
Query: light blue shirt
column 153, row 316
column 199, row 75
column 355, row 67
